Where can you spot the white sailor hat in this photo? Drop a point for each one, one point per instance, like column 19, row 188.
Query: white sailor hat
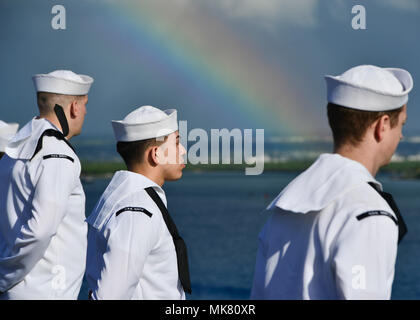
column 7, row 131
column 63, row 82
column 370, row 88
column 145, row 123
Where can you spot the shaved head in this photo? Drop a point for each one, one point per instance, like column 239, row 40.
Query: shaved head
column 47, row 101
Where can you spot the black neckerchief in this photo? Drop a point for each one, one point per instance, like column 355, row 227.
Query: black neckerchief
column 402, row 228
column 61, row 116
column 50, row 133
column 180, row 247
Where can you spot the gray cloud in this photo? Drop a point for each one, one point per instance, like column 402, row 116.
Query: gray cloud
column 302, row 13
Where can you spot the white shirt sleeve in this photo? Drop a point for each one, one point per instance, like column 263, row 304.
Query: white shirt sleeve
column 364, row 258
column 129, row 243
column 55, row 180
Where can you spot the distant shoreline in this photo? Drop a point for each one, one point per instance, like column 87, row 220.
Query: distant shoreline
column 105, row 169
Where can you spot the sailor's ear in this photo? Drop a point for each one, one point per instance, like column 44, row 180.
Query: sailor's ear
column 381, row 126
column 74, row 109
column 153, row 155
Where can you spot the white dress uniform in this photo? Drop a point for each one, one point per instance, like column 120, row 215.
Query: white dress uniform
column 43, row 233
column 134, row 249
column 42, row 229
column 131, row 254
column 315, row 247
column 333, row 232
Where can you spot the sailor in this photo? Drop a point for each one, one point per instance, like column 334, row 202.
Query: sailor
column 134, row 248
column 7, row 131
column 43, row 235
column 333, row 232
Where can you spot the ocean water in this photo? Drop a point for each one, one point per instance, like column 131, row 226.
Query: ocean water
column 275, row 149
column 219, row 214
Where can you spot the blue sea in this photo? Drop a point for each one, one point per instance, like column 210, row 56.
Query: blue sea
column 276, row 149
column 219, row 214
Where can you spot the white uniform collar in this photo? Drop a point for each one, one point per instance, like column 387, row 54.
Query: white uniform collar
column 24, row 143
column 330, row 176
column 123, row 183
column 7, row 131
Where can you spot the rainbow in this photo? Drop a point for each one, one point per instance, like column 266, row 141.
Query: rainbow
column 204, row 51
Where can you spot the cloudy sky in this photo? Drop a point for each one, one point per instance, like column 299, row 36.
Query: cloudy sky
column 222, row 63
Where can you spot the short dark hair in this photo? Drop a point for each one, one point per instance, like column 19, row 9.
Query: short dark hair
column 1, row 154
column 47, row 100
column 133, row 152
column 350, row 125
